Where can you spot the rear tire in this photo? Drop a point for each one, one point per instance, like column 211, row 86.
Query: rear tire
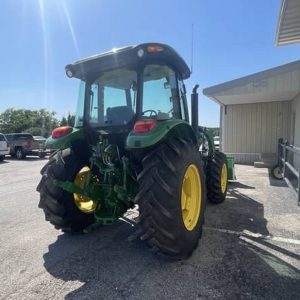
column 216, row 191
column 160, row 198
column 58, row 205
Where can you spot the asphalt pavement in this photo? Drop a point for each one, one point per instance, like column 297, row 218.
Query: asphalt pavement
column 250, row 248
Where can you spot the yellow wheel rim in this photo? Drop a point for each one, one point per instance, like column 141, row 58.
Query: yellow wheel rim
column 83, row 203
column 191, row 197
column 224, row 177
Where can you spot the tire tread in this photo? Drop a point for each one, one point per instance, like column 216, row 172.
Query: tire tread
column 158, row 221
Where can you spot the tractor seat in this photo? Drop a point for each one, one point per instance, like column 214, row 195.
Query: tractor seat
column 119, row 115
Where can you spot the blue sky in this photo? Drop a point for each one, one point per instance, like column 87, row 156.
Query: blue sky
column 232, row 38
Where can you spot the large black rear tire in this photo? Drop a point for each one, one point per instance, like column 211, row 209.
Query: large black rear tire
column 160, row 198
column 216, row 184
column 58, row 205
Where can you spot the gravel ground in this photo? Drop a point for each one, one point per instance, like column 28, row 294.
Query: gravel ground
column 250, row 248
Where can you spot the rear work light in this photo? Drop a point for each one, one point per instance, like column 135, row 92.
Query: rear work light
column 143, row 126
column 155, row 48
column 61, row 131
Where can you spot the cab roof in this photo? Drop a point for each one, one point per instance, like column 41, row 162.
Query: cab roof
column 129, row 56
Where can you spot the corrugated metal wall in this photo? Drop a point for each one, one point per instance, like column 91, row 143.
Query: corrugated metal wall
column 296, row 138
column 252, row 130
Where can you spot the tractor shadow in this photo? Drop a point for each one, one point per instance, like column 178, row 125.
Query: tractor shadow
column 224, row 266
column 239, row 212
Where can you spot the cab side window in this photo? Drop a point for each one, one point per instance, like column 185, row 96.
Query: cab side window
column 160, row 93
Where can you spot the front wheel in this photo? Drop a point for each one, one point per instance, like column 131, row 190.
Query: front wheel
column 2, row 157
column 217, row 178
column 172, row 198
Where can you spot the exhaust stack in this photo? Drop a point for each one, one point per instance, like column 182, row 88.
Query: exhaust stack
column 194, row 108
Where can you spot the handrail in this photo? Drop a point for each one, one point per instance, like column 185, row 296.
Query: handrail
column 291, row 148
column 283, row 151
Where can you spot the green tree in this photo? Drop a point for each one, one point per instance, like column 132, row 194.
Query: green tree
column 35, row 131
column 22, row 120
column 69, row 121
column 63, row 122
column 214, row 131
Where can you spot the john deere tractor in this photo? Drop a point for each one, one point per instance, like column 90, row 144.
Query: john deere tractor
column 133, row 146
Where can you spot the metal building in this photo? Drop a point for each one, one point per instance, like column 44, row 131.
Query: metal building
column 257, row 110
column 288, row 27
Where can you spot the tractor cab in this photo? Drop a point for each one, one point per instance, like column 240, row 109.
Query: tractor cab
column 133, row 83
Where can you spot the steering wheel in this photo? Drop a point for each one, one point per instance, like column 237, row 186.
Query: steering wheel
column 151, row 111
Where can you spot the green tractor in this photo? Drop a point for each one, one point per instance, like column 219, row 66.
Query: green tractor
column 132, row 146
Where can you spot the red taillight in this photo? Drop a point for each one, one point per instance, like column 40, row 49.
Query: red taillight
column 61, row 131
column 155, row 48
column 29, row 144
column 143, row 126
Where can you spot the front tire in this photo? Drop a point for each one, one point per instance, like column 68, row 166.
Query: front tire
column 217, row 178
column 2, row 157
column 172, row 198
column 58, row 205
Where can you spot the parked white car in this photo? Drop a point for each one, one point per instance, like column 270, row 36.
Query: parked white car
column 4, row 149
